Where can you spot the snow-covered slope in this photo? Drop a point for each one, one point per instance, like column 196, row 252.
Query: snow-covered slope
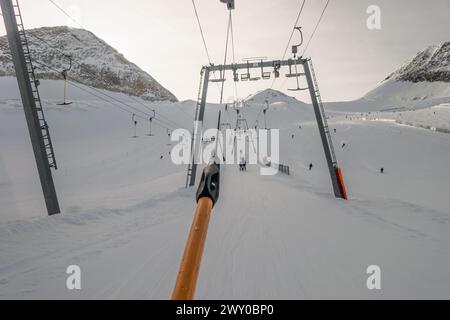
column 126, row 213
column 403, row 95
column 95, row 62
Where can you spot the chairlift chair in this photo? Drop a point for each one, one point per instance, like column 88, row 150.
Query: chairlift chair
column 264, row 75
column 293, row 74
column 235, row 75
column 221, row 79
column 218, row 80
column 247, row 76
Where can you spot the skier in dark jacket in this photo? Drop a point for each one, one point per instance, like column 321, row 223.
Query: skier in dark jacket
column 242, row 165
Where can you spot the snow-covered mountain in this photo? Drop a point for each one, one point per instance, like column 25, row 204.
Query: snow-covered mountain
column 272, row 96
column 422, row 82
column 280, row 107
column 96, row 63
column 429, row 65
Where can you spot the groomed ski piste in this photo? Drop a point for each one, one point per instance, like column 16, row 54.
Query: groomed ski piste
column 126, row 214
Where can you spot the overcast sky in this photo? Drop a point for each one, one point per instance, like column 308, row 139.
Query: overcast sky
column 162, row 37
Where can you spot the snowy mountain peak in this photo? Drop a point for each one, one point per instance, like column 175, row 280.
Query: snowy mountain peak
column 430, row 65
column 95, row 63
column 272, row 96
column 422, row 82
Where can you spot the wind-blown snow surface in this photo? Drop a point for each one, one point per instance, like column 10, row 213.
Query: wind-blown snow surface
column 126, row 214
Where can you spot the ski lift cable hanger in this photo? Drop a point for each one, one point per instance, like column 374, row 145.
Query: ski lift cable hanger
column 285, row 51
column 297, row 75
column 64, row 74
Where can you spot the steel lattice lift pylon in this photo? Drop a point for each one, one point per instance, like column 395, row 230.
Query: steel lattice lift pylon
column 335, row 171
column 34, row 113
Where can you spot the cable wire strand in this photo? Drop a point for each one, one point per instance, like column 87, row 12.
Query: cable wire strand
column 293, row 29
column 284, row 56
column 234, row 55
column 66, row 14
column 317, row 26
column 222, row 73
column 203, row 39
column 201, row 31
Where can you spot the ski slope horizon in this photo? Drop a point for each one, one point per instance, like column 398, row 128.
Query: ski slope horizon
column 126, row 214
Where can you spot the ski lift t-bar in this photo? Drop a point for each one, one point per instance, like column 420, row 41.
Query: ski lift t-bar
column 207, row 196
column 295, row 47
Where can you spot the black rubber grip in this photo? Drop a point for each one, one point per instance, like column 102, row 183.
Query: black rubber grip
column 209, row 183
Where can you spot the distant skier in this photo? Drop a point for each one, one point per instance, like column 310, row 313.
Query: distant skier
column 293, row 136
column 242, row 165
column 334, row 130
column 382, row 170
column 344, row 145
column 310, row 166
